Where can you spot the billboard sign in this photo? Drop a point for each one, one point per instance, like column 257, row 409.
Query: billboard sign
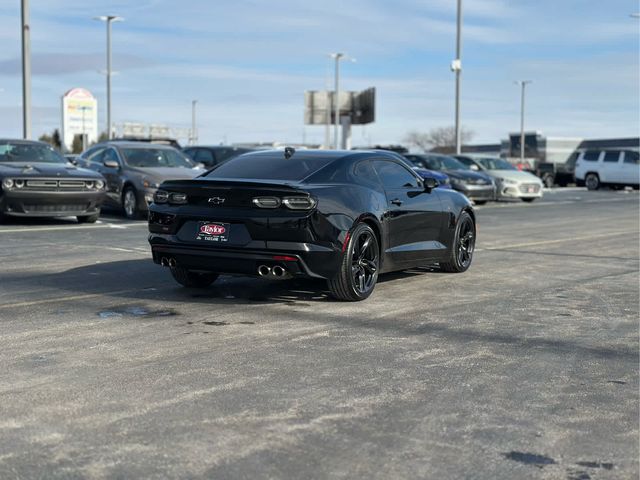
column 359, row 106
column 79, row 116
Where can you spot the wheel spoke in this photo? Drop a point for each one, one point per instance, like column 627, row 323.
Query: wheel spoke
column 369, row 265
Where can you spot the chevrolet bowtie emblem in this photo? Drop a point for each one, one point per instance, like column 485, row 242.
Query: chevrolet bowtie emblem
column 216, row 200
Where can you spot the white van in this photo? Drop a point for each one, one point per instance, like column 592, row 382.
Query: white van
column 616, row 168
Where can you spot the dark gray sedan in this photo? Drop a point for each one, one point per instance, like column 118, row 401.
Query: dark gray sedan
column 134, row 170
column 37, row 181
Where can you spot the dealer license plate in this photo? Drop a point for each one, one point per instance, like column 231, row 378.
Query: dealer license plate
column 213, row 232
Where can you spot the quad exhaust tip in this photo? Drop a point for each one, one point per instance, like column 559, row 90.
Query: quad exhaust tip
column 278, row 271
column 168, row 262
column 264, row 270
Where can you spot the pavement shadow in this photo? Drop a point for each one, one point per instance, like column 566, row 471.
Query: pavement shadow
column 140, row 279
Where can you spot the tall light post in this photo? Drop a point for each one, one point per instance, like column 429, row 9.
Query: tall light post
column 194, row 133
column 108, row 19
column 336, row 101
column 456, row 66
column 523, row 84
column 26, row 71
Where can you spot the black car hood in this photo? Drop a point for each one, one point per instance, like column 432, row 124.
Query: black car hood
column 40, row 169
column 468, row 176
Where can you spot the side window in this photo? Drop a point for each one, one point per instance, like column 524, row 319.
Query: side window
column 591, row 155
column 631, row 157
column 190, row 152
column 94, row 155
column 611, row 156
column 394, row 175
column 365, row 174
column 110, row 154
column 205, row 156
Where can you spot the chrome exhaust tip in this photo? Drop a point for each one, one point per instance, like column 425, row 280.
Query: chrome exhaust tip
column 263, row 270
column 164, row 261
column 172, row 262
column 278, row 271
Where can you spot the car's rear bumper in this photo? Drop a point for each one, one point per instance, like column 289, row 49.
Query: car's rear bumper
column 50, row 204
column 298, row 259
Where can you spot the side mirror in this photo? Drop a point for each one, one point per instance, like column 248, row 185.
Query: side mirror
column 111, row 164
column 430, row 184
column 474, row 167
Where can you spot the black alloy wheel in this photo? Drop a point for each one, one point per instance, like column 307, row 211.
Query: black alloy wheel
column 359, row 268
column 464, row 243
column 189, row 278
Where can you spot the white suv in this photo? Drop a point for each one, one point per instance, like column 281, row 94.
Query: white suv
column 616, row 168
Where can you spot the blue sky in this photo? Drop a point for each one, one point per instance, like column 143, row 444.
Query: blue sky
column 248, row 63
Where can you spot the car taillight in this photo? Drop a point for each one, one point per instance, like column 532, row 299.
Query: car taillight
column 299, row 203
column 266, row 202
column 178, row 198
column 161, row 196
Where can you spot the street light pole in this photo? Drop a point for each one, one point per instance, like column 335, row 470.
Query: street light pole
column 26, row 72
column 194, row 134
column 456, row 66
column 523, row 84
column 336, row 100
column 109, row 19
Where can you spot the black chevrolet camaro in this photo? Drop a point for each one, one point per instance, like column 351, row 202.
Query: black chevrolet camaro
column 343, row 216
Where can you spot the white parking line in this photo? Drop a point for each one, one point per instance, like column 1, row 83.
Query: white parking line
column 68, row 298
column 70, row 227
column 559, row 240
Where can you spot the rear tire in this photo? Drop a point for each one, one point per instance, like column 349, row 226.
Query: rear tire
column 358, row 272
column 479, row 202
column 528, row 200
column 188, row 278
column 88, row 218
column 592, row 181
column 548, row 180
column 464, row 242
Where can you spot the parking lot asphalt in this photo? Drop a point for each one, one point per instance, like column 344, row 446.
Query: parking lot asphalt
column 526, row 366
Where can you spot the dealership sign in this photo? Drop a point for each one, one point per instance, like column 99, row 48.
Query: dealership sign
column 79, row 116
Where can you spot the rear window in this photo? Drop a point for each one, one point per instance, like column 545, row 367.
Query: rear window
column 270, row 167
column 611, row 156
column 591, row 155
column 631, row 157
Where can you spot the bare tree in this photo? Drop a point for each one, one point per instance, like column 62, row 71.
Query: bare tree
column 440, row 138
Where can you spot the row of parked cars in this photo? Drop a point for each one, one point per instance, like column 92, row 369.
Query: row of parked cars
column 36, row 180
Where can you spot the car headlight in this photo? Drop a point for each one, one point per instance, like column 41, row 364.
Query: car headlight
column 508, row 181
column 99, row 184
column 150, row 184
column 19, row 183
column 7, row 183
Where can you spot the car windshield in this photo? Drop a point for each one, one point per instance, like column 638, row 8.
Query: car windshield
column 155, row 157
column 270, row 167
column 495, row 164
column 29, row 152
column 440, row 163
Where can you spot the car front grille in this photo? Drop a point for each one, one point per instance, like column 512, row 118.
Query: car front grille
column 56, row 208
column 529, row 188
column 45, row 185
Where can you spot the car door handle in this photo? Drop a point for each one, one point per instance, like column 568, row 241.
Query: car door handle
column 396, row 201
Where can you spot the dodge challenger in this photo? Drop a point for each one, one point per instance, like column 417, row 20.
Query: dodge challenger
column 342, row 216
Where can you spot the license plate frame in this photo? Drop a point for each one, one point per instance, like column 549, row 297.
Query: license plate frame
column 215, row 232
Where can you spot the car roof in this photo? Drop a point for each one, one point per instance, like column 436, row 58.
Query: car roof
column 329, row 154
column 24, row 142
column 134, row 144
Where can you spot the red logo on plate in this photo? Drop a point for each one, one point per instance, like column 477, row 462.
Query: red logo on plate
column 212, row 229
